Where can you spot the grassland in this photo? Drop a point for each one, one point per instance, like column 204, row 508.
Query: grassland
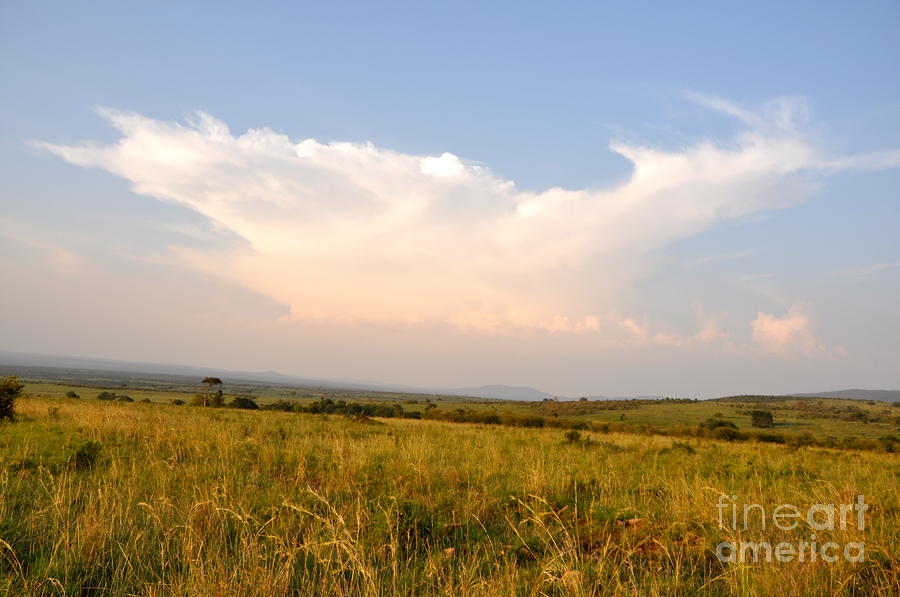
column 110, row 498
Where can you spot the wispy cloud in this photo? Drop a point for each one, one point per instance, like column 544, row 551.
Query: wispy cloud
column 725, row 107
column 868, row 270
column 351, row 231
column 786, row 114
column 720, row 257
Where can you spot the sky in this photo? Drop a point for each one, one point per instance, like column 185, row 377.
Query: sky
column 620, row 198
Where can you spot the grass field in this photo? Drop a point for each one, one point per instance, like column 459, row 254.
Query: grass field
column 110, row 498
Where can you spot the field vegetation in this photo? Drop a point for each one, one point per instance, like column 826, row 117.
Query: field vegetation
column 110, row 497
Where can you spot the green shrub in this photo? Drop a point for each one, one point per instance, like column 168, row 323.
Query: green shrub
column 573, row 436
column 10, row 391
column 71, row 394
column 85, row 455
column 244, row 403
column 178, row 402
column 713, row 424
column 891, row 443
column 727, row 433
column 762, row 418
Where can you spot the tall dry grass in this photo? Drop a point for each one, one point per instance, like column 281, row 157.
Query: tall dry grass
column 190, row 501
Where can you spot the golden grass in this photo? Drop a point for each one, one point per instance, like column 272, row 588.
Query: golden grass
column 191, row 501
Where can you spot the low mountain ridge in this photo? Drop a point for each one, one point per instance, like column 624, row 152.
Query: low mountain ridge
column 857, row 394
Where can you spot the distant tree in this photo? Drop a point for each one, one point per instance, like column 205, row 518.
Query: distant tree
column 762, row 418
column 10, row 391
column 210, row 382
column 71, row 394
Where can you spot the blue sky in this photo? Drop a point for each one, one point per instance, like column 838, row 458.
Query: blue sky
column 800, row 287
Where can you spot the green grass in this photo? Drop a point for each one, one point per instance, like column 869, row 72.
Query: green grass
column 194, row 501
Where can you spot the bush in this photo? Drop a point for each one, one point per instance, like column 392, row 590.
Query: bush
column 243, row 403
column 85, row 456
column 124, row 398
column 727, row 433
column 862, row 443
column 772, row 438
column 762, row 418
column 178, row 402
column 802, row 439
column 891, row 443
column 106, row 396
column 282, row 405
column 713, row 424
column 71, row 394
column 573, row 436
column 529, row 421
column 10, row 391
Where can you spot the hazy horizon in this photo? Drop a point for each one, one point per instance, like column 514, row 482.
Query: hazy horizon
column 587, row 201
column 29, row 361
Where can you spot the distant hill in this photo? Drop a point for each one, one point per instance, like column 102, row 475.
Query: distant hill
column 61, row 367
column 51, row 367
column 499, row 391
column 642, row 397
column 880, row 395
column 40, row 366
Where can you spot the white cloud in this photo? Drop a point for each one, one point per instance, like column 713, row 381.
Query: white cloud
column 790, row 333
column 354, row 232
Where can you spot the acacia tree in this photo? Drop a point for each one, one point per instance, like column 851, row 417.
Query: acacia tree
column 10, row 391
column 210, row 382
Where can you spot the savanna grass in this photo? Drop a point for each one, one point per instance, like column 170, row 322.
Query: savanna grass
column 106, row 498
